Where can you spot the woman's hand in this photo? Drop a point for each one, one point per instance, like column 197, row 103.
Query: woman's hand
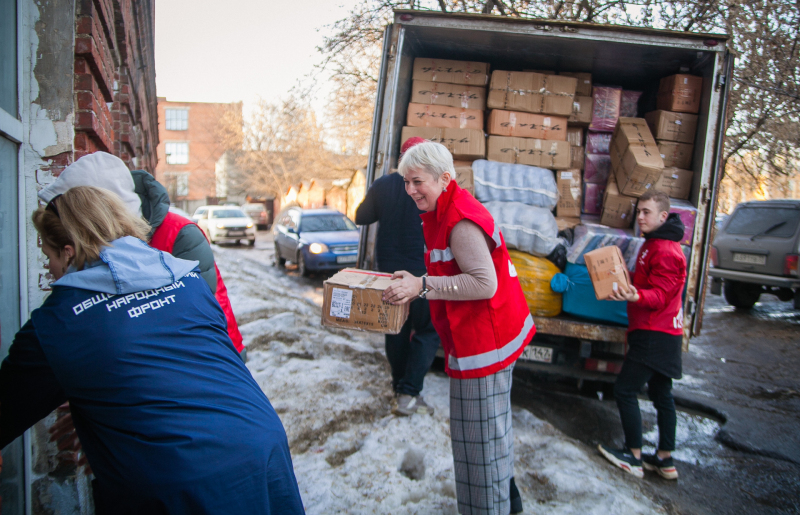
column 630, row 295
column 403, row 291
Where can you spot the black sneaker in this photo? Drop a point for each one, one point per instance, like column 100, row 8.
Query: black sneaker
column 516, row 499
column 623, row 459
column 665, row 468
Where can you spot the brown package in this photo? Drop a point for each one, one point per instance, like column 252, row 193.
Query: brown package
column 445, row 117
column 443, row 94
column 464, row 144
column 635, row 159
column 669, row 126
column 584, row 87
column 578, row 158
column 452, row 72
column 581, row 110
column 607, row 271
column 564, row 223
column 680, row 93
column 531, row 92
column 575, row 136
column 527, row 125
column 677, row 183
column 526, row 151
column 676, row 154
column 351, row 299
column 569, row 194
column 464, row 175
column 618, row 210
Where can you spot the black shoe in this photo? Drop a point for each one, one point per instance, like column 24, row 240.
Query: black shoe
column 623, row 459
column 516, row 499
column 665, row 468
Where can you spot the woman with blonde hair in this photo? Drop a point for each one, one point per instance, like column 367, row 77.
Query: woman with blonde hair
column 135, row 340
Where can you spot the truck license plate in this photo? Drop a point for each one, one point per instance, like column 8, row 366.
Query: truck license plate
column 752, row 259
column 534, row 353
column 347, row 259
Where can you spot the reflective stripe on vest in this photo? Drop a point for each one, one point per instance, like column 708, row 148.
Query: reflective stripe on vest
column 441, row 256
column 493, row 356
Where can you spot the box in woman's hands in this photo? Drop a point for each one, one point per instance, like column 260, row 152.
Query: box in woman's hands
column 352, row 300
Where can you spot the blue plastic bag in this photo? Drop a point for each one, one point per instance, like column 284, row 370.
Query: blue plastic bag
column 579, row 299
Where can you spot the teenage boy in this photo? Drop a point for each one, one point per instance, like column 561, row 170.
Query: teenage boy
column 655, row 335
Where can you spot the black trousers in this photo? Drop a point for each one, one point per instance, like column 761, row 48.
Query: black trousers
column 632, row 378
column 409, row 356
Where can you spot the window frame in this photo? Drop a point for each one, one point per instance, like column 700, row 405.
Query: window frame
column 185, row 124
column 167, row 154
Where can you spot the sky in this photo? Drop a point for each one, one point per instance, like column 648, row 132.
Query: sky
column 239, row 50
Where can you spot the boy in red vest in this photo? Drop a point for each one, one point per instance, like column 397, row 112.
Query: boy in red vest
column 655, row 336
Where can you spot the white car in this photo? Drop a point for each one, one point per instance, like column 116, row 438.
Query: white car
column 225, row 224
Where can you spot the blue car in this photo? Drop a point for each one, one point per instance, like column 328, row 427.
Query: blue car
column 315, row 239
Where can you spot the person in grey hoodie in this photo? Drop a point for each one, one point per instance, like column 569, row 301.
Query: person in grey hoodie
column 170, row 419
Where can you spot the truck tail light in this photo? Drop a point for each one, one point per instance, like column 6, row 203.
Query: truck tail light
column 713, row 257
column 602, row 365
column 790, row 265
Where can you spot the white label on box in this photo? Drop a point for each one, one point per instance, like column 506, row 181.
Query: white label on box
column 685, row 80
column 566, row 175
column 623, row 215
column 675, row 176
column 663, row 156
column 341, row 302
column 678, row 122
column 647, row 186
column 614, row 286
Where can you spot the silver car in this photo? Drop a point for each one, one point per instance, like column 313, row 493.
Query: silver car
column 756, row 251
column 225, row 224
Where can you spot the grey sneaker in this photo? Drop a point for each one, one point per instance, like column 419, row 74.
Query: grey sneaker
column 623, row 459
column 408, row 405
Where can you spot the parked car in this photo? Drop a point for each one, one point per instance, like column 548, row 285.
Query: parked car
column 756, row 251
column 258, row 212
column 315, row 239
column 225, row 224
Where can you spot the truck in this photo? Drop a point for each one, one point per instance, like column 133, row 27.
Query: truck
column 634, row 58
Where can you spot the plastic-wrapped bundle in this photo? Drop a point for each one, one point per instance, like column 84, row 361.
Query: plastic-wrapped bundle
column 534, row 275
column 629, row 105
column 593, row 198
column 508, row 182
column 598, row 143
column 578, row 297
column 597, row 168
column 527, row 228
column 605, row 108
column 588, row 237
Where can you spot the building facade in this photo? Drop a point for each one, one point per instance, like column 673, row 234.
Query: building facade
column 188, row 152
column 76, row 76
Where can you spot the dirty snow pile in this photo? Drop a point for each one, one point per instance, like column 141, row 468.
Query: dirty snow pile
column 331, row 389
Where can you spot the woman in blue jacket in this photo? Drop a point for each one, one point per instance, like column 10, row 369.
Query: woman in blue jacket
column 170, row 419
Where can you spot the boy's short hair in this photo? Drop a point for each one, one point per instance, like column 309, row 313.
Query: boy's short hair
column 659, row 197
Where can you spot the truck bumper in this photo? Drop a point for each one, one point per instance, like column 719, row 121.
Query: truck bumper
column 747, row 277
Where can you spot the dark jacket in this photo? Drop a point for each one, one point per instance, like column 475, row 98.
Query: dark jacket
column 190, row 243
column 171, row 420
column 400, row 244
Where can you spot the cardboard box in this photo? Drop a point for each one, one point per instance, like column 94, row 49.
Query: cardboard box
column 680, row 93
column 543, row 72
column 443, row 94
column 581, row 110
column 352, row 300
column 569, row 193
column 618, row 210
column 584, row 87
column 464, row 144
column 677, row 183
column 635, row 157
column 676, row 154
column 531, row 92
column 575, row 136
column 577, row 157
column 665, row 125
column 445, row 117
column 464, row 176
column 607, row 271
column 554, row 155
column 527, row 125
column 452, row 72
column 567, row 223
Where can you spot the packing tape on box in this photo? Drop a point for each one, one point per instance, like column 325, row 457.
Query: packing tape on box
column 512, row 120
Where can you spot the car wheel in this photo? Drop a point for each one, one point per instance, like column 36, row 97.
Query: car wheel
column 279, row 261
column 797, row 299
column 742, row 295
column 251, row 243
column 301, row 265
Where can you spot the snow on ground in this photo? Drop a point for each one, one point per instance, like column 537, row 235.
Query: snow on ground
column 331, row 389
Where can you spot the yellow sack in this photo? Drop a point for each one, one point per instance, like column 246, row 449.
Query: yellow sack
column 534, row 275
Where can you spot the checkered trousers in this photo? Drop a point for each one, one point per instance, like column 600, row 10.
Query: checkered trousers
column 483, row 445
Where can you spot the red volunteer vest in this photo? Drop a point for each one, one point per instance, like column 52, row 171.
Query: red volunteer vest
column 164, row 239
column 479, row 337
